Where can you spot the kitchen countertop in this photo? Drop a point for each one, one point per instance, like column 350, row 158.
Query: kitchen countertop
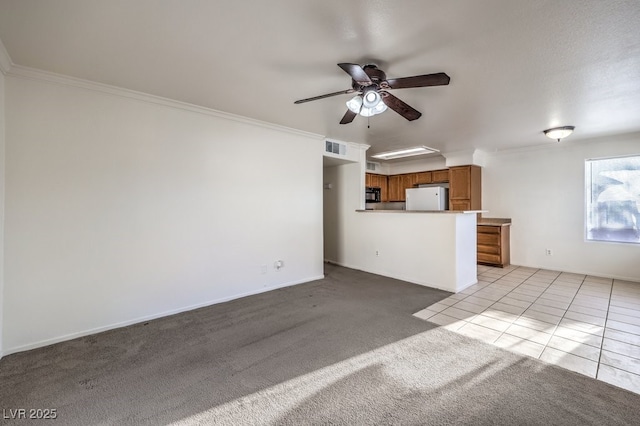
column 424, row 211
column 494, row 221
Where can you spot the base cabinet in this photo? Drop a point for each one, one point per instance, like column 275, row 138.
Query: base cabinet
column 493, row 245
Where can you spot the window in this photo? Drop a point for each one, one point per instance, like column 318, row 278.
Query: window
column 613, row 199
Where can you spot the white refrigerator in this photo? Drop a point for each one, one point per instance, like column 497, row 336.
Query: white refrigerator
column 433, row 198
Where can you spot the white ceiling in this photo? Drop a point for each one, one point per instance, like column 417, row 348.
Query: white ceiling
column 516, row 66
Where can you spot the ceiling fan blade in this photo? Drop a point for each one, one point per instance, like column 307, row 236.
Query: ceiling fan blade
column 315, row 98
column 400, row 107
column 348, row 117
column 357, row 73
column 438, row 79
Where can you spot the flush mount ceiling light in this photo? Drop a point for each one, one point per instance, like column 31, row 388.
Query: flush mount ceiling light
column 405, row 152
column 558, row 133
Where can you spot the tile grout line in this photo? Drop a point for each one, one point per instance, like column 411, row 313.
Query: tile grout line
column 604, row 329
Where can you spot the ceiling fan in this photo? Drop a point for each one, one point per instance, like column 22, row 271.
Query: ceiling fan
column 371, row 85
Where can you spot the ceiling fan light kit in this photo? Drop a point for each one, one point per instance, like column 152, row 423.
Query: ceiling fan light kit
column 371, row 86
column 558, row 133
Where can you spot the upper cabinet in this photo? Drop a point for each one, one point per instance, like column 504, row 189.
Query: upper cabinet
column 378, row 181
column 392, row 188
column 440, row 176
column 423, row 177
column 465, row 183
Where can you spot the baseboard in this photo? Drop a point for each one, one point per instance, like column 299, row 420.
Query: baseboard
column 146, row 318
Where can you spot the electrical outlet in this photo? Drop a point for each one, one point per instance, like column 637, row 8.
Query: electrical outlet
column 548, row 252
column 377, row 253
column 278, row 264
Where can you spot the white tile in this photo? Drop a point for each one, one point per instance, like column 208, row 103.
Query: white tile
column 515, row 310
column 535, row 324
column 449, row 301
column 601, row 280
column 624, row 302
column 582, row 326
column 558, row 291
column 438, row 307
column 538, row 289
column 575, row 348
column 623, row 362
column 542, row 316
column 490, row 294
column 570, row 276
column 547, row 310
column 623, row 348
column 591, row 302
column 624, row 318
column 515, row 302
column 529, row 334
column 520, row 299
column 625, row 311
column 492, row 323
column 560, row 304
column 589, row 319
column 450, row 323
column 480, row 333
column 521, row 346
column 623, row 326
column 460, row 314
column 578, row 336
column 457, row 297
column 600, row 313
column 622, row 336
column 466, row 306
column 501, row 315
column 619, row 378
column 528, row 292
column 485, row 303
column 425, row 314
column 590, row 292
column 536, row 285
column 560, row 298
column 570, row 362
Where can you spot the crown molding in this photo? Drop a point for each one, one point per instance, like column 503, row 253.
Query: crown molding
column 28, row 73
column 5, row 60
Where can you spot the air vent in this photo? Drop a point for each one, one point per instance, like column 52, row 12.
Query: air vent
column 373, row 167
column 335, row 148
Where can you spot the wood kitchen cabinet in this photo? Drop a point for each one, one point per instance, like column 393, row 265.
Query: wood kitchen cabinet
column 423, row 177
column 396, row 192
column 465, row 188
column 398, row 184
column 440, row 176
column 378, row 181
column 494, row 244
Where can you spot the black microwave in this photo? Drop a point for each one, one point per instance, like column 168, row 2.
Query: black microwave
column 372, row 194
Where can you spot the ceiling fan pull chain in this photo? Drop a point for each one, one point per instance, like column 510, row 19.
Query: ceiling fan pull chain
column 368, row 126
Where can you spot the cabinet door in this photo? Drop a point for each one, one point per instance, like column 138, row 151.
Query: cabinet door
column 459, row 204
column 440, row 176
column 408, row 181
column 395, row 188
column 367, row 179
column 423, row 177
column 460, row 183
column 382, row 183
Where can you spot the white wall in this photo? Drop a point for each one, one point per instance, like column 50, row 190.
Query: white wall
column 2, row 178
column 340, row 203
column 120, row 210
column 543, row 191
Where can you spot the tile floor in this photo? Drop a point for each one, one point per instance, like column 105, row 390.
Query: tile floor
column 587, row 324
